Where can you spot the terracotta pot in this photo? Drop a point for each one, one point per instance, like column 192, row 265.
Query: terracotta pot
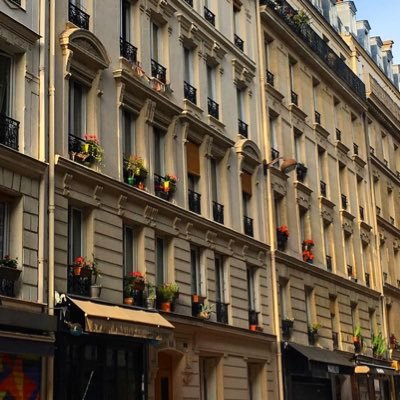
column 195, row 298
column 253, row 327
column 166, row 306
column 129, row 301
column 356, row 339
column 77, row 271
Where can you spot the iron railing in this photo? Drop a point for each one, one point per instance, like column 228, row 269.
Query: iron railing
column 304, row 31
column 287, row 328
column 301, row 172
column 9, row 129
column 239, row 43
column 294, row 98
column 355, row 149
column 127, row 50
column 344, row 201
column 213, row 108
column 338, row 135
column 218, row 212
column 248, row 226
column 243, row 128
column 328, row 260
column 79, row 284
column 209, row 16
column 160, row 189
column 158, row 71
column 190, row 92
column 194, row 201
column 75, row 144
column 190, row 2
column 317, row 116
column 361, row 210
column 78, row 16
column 270, row 78
column 322, row 188
column 222, row 312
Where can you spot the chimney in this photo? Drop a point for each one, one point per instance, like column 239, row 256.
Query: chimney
column 363, row 29
column 387, row 58
column 347, row 13
column 376, row 53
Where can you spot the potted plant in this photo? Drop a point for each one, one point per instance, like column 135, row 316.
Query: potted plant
column 253, row 320
column 313, row 332
column 166, row 293
column 91, row 152
column 151, row 295
column 357, row 339
column 137, row 172
column 287, row 327
column 282, row 236
column 301, row 19
column 169, row 184
column 9, row 268
column 379, row 346
column 393, row 342
column 205, row 311
column 308, row 255
column 84, row 269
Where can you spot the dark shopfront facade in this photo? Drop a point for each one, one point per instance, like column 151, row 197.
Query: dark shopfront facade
column 102, row 351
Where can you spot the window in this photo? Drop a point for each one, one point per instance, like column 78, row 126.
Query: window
column 129, row 134
column 254, row 378
column 77, row 109
column 372, row 321
column 75, row 234
column 335, row 324
column 5, row 84
column 4, row 229
column 219, row 278
column 309, row 303
column 240, row 104
column 292, row 67
column 159, row 151
column 354, row 316
column 272, row 131
column 278, row 199
column 283, row 297
column 160, row 261
column 251, row 288
column 125, row 20
column 155, row 42
column 188, row 65
column 208, row 378
column 196, row 270
column 246, row 192
column 129, row 248
column 211, row 82
column 315, row 98
column 298, row 136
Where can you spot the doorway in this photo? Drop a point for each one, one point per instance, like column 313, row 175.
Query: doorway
column 164, row 377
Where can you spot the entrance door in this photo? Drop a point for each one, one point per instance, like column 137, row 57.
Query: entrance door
column 164, row 377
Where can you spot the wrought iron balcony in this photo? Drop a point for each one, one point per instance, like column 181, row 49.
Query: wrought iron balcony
column 190, row 92
column 222, row 312
column 338, row 135
column 213, row 108
column 8, row 277
column 344, row 201
column 127, row 50
column 287, row 328
column 239, row 43
column 322, row 188
column 190, row 2
column 301, row 172
column 9, row 129
column 335, row 340
column 163, row 188
column 75, row 144
column 243, row 128
column 158, row 71
column 194, row 201
column 218, row 212
column 361, row 210
column 355, row 149
column 78, row 16
column 248, row 226
column 317, row 116
column 253, row 317
column 270, row 78
column 79, row 284
column 328, row 260
column 286, row 13
column 294, row 98
column 209, row 16
column 367, row 280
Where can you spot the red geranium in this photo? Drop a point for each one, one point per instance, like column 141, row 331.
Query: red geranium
column 284, row 229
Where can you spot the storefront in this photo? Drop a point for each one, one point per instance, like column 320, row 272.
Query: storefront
column 311, row 372
column 102, row 350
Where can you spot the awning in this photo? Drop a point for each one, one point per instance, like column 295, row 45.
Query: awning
column 375, row 370
column 115, row 320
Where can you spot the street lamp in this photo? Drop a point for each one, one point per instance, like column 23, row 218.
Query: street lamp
column 288, row 165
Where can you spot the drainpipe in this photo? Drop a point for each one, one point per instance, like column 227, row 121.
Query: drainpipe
column 264, row 118
column 51, row 184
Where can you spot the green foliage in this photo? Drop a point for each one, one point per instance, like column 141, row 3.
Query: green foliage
column 301, row 18
column 314, row 328
column 379, row 345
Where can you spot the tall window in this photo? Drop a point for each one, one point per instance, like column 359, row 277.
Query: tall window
column 254, row 378
column 354, row 316
column 283, row 297
column 5, row 84
column 246, row 192
column 4, row 229
column 335, row 324
column 75, row 234
column 292, row 80
column 214, row 180
column 208, row 378
column 129, row 247
column 315, row 95
column 240, row 104
column 272, row 131
column 251, row 288
column 298, row 137
column 211, row 82
column 129, row 134
column 188, row 65
column 196, row 270
column 160, row 261
column 159, row 151
column 309, row 299
column 372, row 321
column 126, row 20
column 219, row 279
column 77, row 109
column 278, row 199
column 267, row 53
column 155, row 42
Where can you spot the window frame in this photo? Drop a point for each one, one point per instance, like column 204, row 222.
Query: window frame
column 129, row 123
column 10, row 89
column 196, row 271
column 71, row 229
column 72, row 123
column 5, row 229
column 133, row 256
column 160, row 270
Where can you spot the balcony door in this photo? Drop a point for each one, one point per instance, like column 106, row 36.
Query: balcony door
column 5, row 84
column 164, row 378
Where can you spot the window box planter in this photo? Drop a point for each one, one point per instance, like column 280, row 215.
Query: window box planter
column 313, row 333
column 9, row 273
column 282, row 235
column 307, row 247
column 287, row 328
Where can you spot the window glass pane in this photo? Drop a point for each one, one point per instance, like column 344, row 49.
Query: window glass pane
column 129, row 134
column 188, row 65
column 214, row 180
column 5, row 80
column 159, row 152
column 195, row 267
column 128, row 245
column 3, row 229
column 210, row 82
column 154, row 40
column 75, row 234
column 125, row 20
column 160, row 267
column 250, row 288
column 219, row 279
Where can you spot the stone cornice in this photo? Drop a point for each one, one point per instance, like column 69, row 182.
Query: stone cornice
column 388, row 226
column 383, row 168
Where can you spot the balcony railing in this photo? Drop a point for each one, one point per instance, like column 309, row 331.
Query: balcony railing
column 218, row 212
column 294, row 98
column 213, row 108
column 239, row 43
column 75, row 144
column 158, row 71
column 190, row 2
column 338, row 135
column 322, row 188
column 367, row 280
column 161, row 189
column 270, row 78
column 9, row 129
column 253, row 317
column 194, row 201
column 248, row 226
column 79, row 284
column 209, row 16
column 78, row 16
column 190, row 92
column 274, row 154
column 222, row 312
column 317, row 116
column 301, row 172
column 344, row 201
column 127, row 50
column 8, row 277
column 361, row 210
column 243, row 128
column 286, row 12
column 355, row 149
column 335, row 340
column 328, row 260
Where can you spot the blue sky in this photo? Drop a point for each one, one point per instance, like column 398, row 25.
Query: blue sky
column 384, row 18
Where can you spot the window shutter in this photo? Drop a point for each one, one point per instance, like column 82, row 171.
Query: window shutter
column 193, row 158
column 246, row 183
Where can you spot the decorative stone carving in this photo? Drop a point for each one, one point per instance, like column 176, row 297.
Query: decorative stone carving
column 348, row 227
column 97, row 192
column 150, row 214
column 67, row 184
column 122, row 204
